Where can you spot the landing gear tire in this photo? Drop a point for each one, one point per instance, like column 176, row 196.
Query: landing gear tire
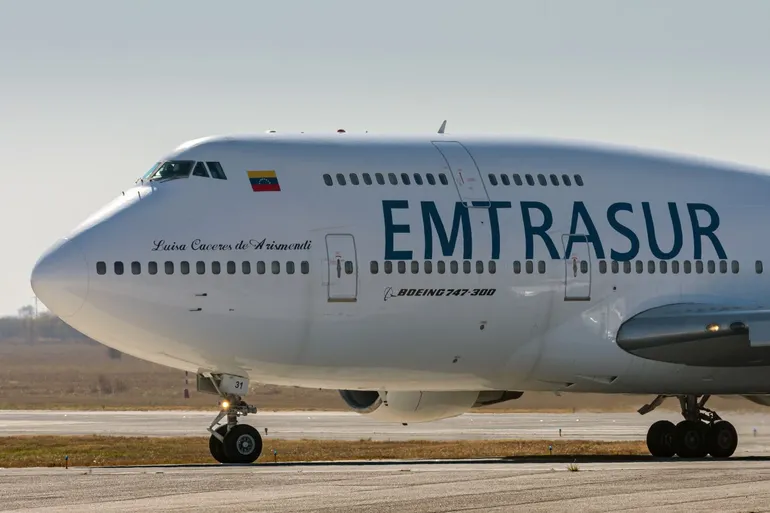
column 691, row 439
column 722, row 439
column 660, row 439
column 215, row 446
column 243, row 444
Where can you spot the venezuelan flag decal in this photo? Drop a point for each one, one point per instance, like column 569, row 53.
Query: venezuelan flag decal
column 263, row 181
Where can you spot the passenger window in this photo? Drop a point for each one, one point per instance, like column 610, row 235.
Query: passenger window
column 231, row 267
column 554, row 180
column 200, row 267
column 275, row 267
column 492, row 265
column 428, row 266
column 261, row 268
column 579, row 180
column 118, row 268
column 651, row 267
column 758, row 267
column 442, row 179
column 639, row 267
column 341, row 179
column 405, row 179
column 374, row 268
column 712, row 267
column 584, row 266
column 200, row 170
column 246, row 267
column 505, row 179
column 136, row 268
column 675, row 266
column 602, row 267
column 663, row 266
column 216, row 170
column 415, row 267
column 169, row 266
column 735, row 267
column 723, row 266
column 466, row 266
column 541, row 179
column 392, row 179
column 354, row 179
column 431, row 180
column 328, row 180
column 530, row 180
column 565, row 180
column 541, row 267
column 441, row 267
column 101, row 268
column 627, row 267
column 216, row 268
column 492, row 179
column 367, row 179
column 479, row 267
column 687, row 267
column 348, row 267
column 290, row 267
column 388, row 267
column 418, row 179
column 615, row 267
column 184, row 267
column 401, row 267
column 152, row 268
column 517, row 180
column 530, row 267
column 699, row 267
column 453, row 267
column 380, row 179
column 517, row 267
column 304, row 267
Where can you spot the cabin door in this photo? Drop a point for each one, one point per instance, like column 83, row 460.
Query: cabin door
column 466, row 174
column 577, row 267
column 343, row 268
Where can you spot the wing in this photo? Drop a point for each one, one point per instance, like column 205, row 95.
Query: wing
column 701, row 335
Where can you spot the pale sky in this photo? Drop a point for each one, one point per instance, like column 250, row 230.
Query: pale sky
column 93, row 92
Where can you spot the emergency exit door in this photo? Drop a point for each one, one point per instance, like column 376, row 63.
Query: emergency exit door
column 466, row 174
column 342, row 284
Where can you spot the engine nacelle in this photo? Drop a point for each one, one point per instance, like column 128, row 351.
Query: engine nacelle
column 418, row 406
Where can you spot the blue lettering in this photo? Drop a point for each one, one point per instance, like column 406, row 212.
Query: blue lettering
column 494, row 225
column 699, row 231
column 623, row 230
column 591, row 237
column 392, row 229
column 430, row 217
column 541, row 231
column 677, row 224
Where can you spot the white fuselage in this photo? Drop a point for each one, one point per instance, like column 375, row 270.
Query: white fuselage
column 543, row 320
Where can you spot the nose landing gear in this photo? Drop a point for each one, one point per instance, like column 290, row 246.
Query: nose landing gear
column 702, row 432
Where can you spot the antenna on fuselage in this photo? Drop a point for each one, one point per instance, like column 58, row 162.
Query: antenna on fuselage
column 442, row 127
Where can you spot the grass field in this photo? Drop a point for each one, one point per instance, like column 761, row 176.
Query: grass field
column 60, row 375
column 49, row 451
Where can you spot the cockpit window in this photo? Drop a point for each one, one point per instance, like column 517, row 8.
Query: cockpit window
column 149, row 173
column 200, row 170
column 216, row 170
column 172, row 169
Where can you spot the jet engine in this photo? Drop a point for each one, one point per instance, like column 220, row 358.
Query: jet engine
column 418, row 406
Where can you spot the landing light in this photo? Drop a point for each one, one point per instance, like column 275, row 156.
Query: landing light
column 713, row 327
column 225, row 405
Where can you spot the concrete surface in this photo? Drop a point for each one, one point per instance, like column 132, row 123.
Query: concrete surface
column 674, row 486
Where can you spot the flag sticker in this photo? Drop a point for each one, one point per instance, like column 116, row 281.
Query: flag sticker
column 263, row 181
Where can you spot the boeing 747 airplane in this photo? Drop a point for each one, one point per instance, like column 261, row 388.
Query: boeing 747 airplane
column 425, row 275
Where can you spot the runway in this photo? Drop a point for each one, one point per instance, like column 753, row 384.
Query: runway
column 404, row 487
column 352, row 426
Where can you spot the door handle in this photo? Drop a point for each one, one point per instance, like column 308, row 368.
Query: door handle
column 339, row 268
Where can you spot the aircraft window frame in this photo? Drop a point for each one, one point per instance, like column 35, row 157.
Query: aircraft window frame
column 184, row 267
column 392, row 178
column 101, row 268
column 328, row 179
column 723, row 266
column 466, row 267
column 541, row 180
column 712, row 267
column 374, row 267
column 354, row 179
column 230, row 267
column 430, row 178
column 418, row 179
column 530, row 180
column 687, row 267
column 699, row 266
column 615, row 267
column 341, row 179
column 443, row 179
column 405, row 178
column 516, row 267
column 185, row 167
column 505, row 180
column 388, row 267
column 427, row 267
column 759, row 267
column 290, row 267
column 367, row 178
column 152, row 268
column 651, row 266
column 415, row 266
column 216, row 267
column 492, row 267
column 200, row 167
column 602, row 267
column 401, row 267
column 136, row 268
column 541, row 267
column 517, row 179
column 454, row 267
column 492, row 179
column 584, row 266
column 200, row 267
column 554, row 180
column 118, row 268
column 675, row 266
column 304, row 267
column 246, row 267
column 529, row 266
column 261, row 267
column 380, row 178
column 663, row 267
column 735, row 267
column 275, row 267
column 579, row 180
column 168, row 267
column 627, row 267
column 441, row 267
column 479, row 267
column 565, row 180
column 639, row 267
column 216, row 170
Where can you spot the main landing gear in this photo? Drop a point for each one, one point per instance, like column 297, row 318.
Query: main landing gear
column 231, row 442
column 702, row 432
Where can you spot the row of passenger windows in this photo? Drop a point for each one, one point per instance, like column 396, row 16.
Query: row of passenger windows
column 393, row 179
column 541, row 179
column 454, row 267
column 663, row 266
column 200, row 267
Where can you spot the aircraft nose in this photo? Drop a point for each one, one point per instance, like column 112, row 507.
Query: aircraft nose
column 60, row 278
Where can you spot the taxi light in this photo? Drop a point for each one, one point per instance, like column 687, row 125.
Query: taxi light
column 225, row 405
column 713, row 327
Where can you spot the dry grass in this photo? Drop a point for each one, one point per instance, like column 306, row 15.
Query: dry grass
column 58, row 375
column 49, row 451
